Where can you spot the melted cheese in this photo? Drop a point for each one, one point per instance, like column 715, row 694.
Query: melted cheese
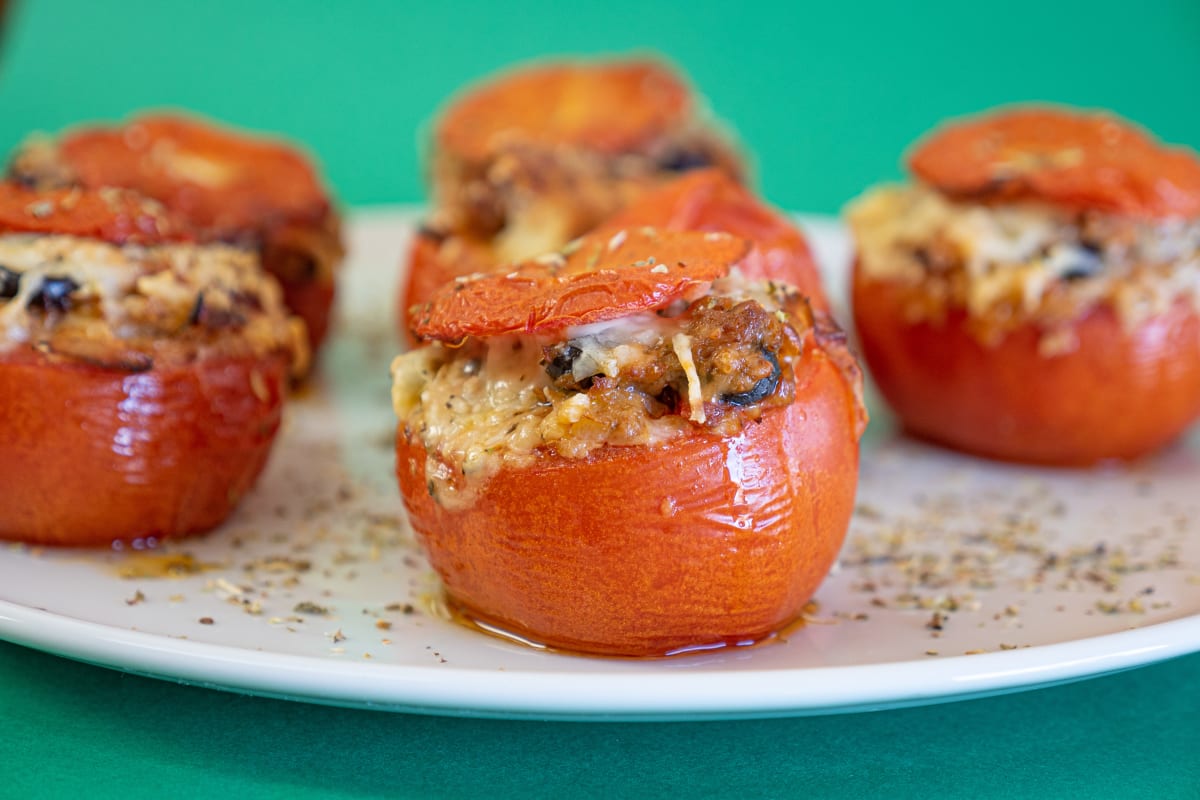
column 1014, row 256
column 491, row 404
column 145, row 297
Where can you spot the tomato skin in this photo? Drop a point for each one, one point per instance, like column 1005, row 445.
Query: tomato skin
column 605, row 277
column 711, row 200
column 91, row 456
column 701, row 200
column 1075, row 159
column 244, row 183
column 642, row 551
column 610, row 108
column 1118, row 395
column 246, row 190
column 120, row 217
column 430, row 268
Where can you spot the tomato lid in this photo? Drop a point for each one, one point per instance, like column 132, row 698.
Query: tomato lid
column 113, row 215
column 611, row 107
column 710, row 200
column 596, row 278
column 223, row 181
column 1076, row 159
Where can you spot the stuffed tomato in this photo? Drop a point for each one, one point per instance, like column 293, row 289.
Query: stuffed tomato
column 141, row 378
column 228, row 186
column 1035, row 294
column 626, row 449
column 701, row 200
column 537, row 156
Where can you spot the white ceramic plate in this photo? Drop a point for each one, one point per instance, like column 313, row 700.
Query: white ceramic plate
column 315, row 590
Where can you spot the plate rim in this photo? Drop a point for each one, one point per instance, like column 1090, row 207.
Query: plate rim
column 644, row 694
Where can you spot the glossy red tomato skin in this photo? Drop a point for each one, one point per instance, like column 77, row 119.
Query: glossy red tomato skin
column 702, row 200
column 646, row 551
column 117, row 217
column 1119, row 394
column 603, row 278
column 92, row 455
column 607, row 107
column 1067, row 157
column 711, row 200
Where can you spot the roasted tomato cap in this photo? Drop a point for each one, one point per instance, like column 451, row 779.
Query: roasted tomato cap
column 608, row 107
column 111, row 215
column 711, row 200
column 224, row 181
column 1080, row 160
column 600, row 277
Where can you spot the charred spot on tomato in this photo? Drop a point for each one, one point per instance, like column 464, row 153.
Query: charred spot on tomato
column 10, row 283
column 54, row 294
column 761, row 390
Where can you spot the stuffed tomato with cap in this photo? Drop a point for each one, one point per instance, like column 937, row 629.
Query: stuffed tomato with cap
column 626, row 448
column 227, row 185
column 701, row 200
column 142, row 377
column 1035, row 294
column 531, row 158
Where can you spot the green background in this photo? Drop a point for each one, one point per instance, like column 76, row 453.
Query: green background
column 827, row 97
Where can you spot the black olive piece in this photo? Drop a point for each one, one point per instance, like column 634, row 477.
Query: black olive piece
column 10, row 283
column 761, row 389
column 55, row 293
column 197, row 310
column 684, row 160
column 563, row 361
column 1086, row 265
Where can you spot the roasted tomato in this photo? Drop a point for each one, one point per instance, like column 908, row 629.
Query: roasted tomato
column 1085, row 161
column 540, row 155
column 94, row 454
column 229, row 186
column 1037, row 298
column 709, row 200
column 665, row 465
column 703, row 200
column 141, row 385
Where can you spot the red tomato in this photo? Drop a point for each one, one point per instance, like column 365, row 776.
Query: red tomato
column 1118, row 394
column 710, row 200
column 1074, row 159
column 119, row 217
column 604, row 277
column 225, row 182
column 230, row 186
column 91, row 455
column 433, row 262
column 643, row 551
column 607, row 107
